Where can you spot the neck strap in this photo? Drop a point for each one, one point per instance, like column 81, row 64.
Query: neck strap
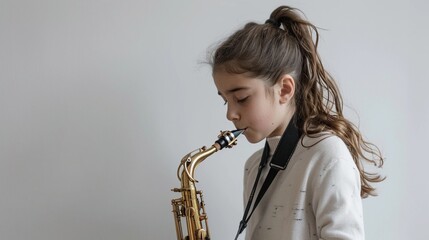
column 280, row 160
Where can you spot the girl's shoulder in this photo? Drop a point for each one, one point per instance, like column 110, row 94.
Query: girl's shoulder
column 324, row 143
column 327, row 161
column 324, row 151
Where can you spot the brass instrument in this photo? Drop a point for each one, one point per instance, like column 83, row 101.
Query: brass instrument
column 191, row 205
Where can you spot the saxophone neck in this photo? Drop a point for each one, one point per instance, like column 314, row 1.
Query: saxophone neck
column 190, row 161
column 193, row 161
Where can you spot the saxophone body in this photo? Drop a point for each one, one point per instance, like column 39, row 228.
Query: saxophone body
column 190, row 206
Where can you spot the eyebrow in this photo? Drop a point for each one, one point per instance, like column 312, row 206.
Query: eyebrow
column 233, row 90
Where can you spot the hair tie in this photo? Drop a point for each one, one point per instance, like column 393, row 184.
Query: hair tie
column 274, row 22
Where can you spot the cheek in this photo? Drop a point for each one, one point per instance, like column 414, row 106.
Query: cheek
column 260, row 116
column 260, row 126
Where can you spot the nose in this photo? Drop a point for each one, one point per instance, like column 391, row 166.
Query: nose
column 232, row 113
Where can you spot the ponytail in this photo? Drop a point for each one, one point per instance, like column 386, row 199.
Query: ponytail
column 287, row 44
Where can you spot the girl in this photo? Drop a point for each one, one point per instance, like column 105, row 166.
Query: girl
column 308, row 181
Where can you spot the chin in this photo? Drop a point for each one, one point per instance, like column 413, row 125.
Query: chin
column 253, row 139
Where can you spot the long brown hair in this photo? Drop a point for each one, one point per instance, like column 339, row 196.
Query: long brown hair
column 287, row 44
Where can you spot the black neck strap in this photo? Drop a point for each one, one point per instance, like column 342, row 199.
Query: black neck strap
column 280, row 160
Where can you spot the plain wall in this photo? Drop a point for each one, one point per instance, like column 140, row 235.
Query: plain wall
column 99, row 101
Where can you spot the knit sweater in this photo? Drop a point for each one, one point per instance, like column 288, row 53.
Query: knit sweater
column 316, row 197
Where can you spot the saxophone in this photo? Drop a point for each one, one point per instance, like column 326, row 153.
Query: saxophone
column 191, row 205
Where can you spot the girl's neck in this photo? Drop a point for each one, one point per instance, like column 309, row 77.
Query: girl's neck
column 288, row 115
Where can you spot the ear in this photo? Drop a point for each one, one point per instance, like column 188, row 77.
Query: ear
column 286, row 88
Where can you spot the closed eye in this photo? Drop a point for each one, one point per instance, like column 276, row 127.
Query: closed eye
column 242, row 100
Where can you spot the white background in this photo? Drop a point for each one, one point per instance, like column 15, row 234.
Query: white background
column 99, row 100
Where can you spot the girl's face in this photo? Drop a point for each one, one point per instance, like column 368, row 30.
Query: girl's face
column 251, row 104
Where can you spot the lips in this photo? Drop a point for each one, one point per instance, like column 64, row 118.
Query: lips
column 245, row 129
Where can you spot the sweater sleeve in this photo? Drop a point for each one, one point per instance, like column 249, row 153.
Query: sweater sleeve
column 336, row 201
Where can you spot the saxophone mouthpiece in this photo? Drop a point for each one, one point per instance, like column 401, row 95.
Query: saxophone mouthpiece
column 228, row 138
column 237, row 132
